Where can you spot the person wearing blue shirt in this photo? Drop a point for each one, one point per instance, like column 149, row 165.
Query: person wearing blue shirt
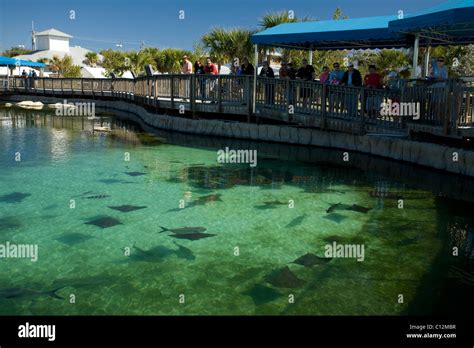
column 439, row 70
column 336, row 75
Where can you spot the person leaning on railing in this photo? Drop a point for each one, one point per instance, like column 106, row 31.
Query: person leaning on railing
column 199, row 70
column 353, row 78
column 373, row 80
column 267, row 72
column 210, row 69
column 306, row 73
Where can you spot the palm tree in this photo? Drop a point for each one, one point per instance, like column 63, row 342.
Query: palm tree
column 138, row 60
column 169, row 59
column 224, row 45
column 216, row 42
column 273, row 19
column 64, row 66
column 92, row 58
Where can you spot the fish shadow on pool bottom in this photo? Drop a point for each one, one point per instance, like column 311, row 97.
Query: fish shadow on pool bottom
column 158, row 253
column 14, row 197
column 73, row 238
column 9, row 223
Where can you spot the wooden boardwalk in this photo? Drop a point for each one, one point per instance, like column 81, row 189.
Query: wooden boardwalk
column 446, row 108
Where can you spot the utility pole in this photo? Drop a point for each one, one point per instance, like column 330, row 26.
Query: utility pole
column 33, row 37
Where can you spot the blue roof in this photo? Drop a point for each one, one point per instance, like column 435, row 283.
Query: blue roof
column 19, row 62
column 453, row 19
column 451, row 22
column 370, row 32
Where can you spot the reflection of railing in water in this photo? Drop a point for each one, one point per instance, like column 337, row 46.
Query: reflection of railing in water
column 448, row 104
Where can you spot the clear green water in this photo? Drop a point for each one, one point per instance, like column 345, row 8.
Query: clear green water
column 407, row 251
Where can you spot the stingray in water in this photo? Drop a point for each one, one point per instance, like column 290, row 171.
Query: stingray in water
column 284, row 278
column 73, row 238
column 9, row 223
column 127, row 208
column 262, row 294
column 184, row 253
column 135, row 173
column 341, row 206
column 160, row 252
column 23, row 292
column 156, row 254
column 183, row 230
column 335, row 217
column 310, row 260
column 296, row 221
column 14, row 197
column 275, row 202
column 359, row 209
column 104, row 222
column 192, row 236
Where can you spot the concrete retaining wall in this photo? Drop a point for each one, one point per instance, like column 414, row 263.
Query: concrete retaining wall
column 425, row 154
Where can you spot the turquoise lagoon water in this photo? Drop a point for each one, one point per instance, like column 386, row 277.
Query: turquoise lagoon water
column 407, row 251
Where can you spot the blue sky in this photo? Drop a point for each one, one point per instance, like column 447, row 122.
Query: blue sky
column 102, row 24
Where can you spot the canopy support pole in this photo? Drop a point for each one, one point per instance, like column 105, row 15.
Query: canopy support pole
column 415, row 55
column 427, row 58
column 254, row 89
column 310, row 56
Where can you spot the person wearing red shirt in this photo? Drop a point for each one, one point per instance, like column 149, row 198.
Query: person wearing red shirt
column 373, row 80
column 210, row 69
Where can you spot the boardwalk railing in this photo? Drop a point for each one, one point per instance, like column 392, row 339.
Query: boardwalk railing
column 446, row 104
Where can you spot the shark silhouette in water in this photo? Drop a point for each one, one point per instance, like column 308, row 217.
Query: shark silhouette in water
column 127, row 208
column 190, row 233
column 341, row 206
column 310, row 260
column 159, row 253
column 270, row 204
column 14, row 197
column 10, row 293
column 183, row 230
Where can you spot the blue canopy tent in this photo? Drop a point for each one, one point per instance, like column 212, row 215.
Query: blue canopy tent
column 7, row 61
column 450, row 23
column 356, row 33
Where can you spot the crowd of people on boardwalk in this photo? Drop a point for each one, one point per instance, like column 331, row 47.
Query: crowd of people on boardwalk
column 338, row 76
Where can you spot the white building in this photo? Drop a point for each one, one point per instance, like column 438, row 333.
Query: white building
column 53, row 42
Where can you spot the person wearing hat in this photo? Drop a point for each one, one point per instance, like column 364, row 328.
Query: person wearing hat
column 187, row 66
column 393, row 82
